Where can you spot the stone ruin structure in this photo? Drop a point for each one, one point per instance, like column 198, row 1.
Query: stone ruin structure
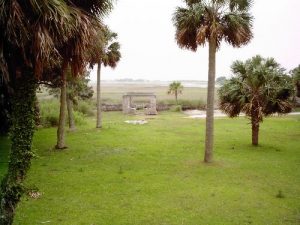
column 130, row 108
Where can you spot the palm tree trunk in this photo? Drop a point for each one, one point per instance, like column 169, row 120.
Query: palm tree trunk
column 70, row 113
column 22, row 130
column 255, row 129
column 62, row 113
column 99, row 113
column 176, row 97
column 209, row 138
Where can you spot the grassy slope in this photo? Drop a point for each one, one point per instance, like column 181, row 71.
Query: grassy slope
column 152, row 174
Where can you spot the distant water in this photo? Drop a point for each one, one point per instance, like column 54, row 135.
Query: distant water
column 201, row 84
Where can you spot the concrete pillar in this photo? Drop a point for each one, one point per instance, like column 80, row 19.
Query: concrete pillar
column 152, row 110
column 126, row 104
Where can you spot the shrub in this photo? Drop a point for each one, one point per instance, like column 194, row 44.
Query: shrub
column 176, row 108
column 50, row 121
column 49, row 112
column 79, row 118
column 85, row 108
column 191, row 104
column 185, row 104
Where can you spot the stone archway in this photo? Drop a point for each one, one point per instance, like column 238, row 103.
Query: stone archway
column 128, row 100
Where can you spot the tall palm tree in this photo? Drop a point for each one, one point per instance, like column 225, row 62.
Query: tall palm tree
column 212, row 21
column 175, row 88
column 106, row 51
column 258, row 88
column 38, row 40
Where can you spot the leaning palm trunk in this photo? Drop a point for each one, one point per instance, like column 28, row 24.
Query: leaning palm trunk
column 62, row 113
column 70, row 113
column 209, row 140
column 20, row 155
column 99, row 113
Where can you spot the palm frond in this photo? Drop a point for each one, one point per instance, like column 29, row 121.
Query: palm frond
column 187, row 22
column 43, row 34
column 99, row 8
column 237, row 28
column 240, row 5
column 259, row 87
column 201, row 21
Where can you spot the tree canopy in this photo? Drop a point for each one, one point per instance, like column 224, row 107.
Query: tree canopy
column 175, row 88
column 43, row 34
column 105, row 48
column 200, row 21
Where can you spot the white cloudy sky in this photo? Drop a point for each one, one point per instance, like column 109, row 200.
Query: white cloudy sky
column 149, row 50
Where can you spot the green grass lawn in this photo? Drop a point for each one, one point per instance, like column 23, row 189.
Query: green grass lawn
column 153, row 174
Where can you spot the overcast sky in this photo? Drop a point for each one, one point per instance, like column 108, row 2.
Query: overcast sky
column 149, row 51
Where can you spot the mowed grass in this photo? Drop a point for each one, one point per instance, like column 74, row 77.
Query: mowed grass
column 153, row 174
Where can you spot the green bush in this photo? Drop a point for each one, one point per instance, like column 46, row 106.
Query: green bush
column 49, row 112
column 191, row 104
column 79, row 118
column 50, row 121
column 185, row 104
column 85, row 108
column 176, row 108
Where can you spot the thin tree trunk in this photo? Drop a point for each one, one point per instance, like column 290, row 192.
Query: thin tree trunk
column 99, row 113
column 255, row 129
column 37, row 112
column 176, row 97
column 62, row 113
column 72, row 126
column 209, row 137
column 22, row 130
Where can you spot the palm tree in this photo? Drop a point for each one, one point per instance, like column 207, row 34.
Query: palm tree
column 258, row 88
column 175, row 88
column 106, row 51
column 212, row 21
column 38, row 41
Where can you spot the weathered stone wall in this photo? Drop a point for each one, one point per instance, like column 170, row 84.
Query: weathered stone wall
column 163, row 107
column 129, row 108
column 111, row 107
column 159, row 107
